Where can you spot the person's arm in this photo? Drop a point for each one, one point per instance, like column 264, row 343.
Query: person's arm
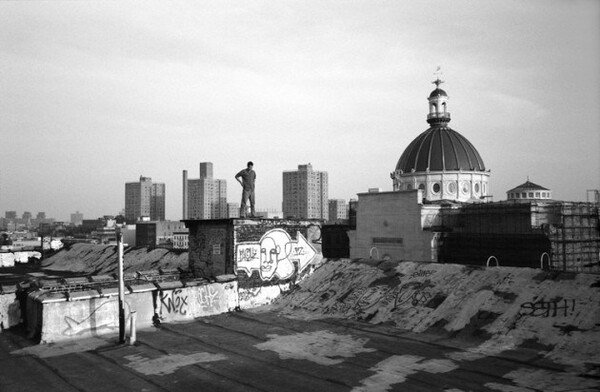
column 237, row 177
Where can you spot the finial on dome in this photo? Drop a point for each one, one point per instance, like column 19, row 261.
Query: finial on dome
column 437, row 74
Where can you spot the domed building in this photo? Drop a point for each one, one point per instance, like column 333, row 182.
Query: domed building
column 528, row 191
column 440, row 161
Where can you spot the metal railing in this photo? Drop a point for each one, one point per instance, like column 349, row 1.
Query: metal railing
column 438, row 115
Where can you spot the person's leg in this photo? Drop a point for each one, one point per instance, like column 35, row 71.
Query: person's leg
column 243, row 210
column 251, row 197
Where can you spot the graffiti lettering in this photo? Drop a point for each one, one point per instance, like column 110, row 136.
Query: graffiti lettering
column 208, row 297
column 298, row 251
column 556, row 308
column 422, row 274
column 247, row 254
column 363, row 300
column 173, row 302
column 414, row 297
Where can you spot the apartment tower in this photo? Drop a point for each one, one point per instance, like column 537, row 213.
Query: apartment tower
column 204, row 197
column 305, row 193
column 144, row 199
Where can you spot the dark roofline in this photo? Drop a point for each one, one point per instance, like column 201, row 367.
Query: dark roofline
column 529, row 186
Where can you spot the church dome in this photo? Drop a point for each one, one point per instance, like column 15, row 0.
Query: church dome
column 441, row 163
column 440, row 149
column 438, row 92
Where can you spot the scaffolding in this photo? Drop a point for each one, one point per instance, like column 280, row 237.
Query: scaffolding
column 563, row 236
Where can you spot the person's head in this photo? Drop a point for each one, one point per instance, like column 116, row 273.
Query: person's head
column 250, row 165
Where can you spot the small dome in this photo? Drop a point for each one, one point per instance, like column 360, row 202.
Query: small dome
column 438, row 92
column 440, row 149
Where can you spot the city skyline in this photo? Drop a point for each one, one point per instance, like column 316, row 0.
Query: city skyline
column 95, row 94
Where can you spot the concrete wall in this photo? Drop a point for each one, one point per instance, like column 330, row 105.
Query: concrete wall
column 10, row 311
column 188, row 303
column 53, row 317
column 391, row 223
column 63, row 320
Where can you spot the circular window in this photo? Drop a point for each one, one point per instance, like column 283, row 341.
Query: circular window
column 422, row 187
column 465, row 188
column 452, row 187
column 436, row 187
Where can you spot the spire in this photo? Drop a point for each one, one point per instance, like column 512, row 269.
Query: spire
column 437, row 74
column 438, row 100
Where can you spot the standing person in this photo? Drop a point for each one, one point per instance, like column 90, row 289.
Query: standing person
column 248, row 177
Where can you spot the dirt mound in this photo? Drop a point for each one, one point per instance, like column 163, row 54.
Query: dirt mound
column 102, row 259
column 488, row 310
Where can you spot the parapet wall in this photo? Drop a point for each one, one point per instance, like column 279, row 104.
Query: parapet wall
column 59, row 316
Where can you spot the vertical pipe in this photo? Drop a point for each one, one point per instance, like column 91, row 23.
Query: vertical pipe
column 132, row 327
column 185, row 195
column 121, row 290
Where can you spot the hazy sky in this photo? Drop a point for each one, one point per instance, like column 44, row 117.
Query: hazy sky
column 94, row 94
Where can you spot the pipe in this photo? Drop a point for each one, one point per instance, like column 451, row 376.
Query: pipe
column 132, row 327
column 121, row 290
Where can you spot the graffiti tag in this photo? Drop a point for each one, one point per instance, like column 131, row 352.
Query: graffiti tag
column 173, row 301
column 556, row 308
column 208, row 297
column 422, row 274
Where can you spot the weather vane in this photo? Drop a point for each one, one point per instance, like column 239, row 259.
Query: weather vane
column 437, row 74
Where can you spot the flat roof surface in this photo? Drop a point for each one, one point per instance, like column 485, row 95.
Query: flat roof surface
column 263, row 350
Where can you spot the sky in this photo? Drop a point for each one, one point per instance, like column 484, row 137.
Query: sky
column 94, row 94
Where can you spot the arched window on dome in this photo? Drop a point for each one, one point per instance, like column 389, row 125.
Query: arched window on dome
column 422, row 186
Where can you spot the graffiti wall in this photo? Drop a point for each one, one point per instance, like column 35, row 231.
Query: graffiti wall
column 270, row 257
column 192, row 302
column 52, row 318
column 64, row 320
column 275, row 255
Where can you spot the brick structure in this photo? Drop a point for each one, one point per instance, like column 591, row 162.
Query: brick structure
column 261, row 252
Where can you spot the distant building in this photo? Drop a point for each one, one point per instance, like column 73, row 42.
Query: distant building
column 157, row 233
column 439, row 212
column 305, row 193
column 529, row 191
column 233, row 210
column 76, row 218
column 144, row 198
column 338, row 210
column 181, row 240
column 269, row 214
column 26, row 215
column 40, row 215
column 10, row 214
column 205, row 197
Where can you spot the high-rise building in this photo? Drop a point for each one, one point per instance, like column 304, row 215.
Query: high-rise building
column 41, row 215
column 77, row 218
column 144, row 199
column 204, row 197
column 305, row 193
column 27, row 215
column 10, row 214
column 233, row 210
column 338, row 210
